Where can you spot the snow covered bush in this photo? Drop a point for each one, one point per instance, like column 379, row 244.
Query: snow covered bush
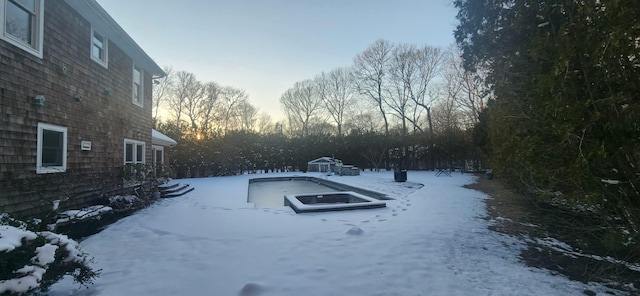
column 32, row 260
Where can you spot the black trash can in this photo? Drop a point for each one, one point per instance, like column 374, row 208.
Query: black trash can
column 400, row 176
column 489, row 175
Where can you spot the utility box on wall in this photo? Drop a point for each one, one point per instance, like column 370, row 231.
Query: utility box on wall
column 85, row 145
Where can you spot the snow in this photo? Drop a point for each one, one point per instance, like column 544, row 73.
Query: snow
column 159, row 138
column 429, row 240
column 609, row 181
column 74, row 253
column 11, row 237
column 31, row 280
column 45, row 254
column 86, row 213
column 30, row 276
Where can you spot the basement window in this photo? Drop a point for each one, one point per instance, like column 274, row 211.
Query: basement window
column 52, row 149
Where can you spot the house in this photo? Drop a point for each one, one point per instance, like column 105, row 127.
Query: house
column 75, row 105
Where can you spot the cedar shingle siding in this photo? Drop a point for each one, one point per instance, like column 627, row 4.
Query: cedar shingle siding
column 74, row 87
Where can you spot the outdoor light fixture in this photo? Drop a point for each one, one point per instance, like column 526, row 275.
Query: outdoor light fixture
column 39, row 100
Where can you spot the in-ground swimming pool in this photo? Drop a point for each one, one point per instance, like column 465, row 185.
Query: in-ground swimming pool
column 271, row 192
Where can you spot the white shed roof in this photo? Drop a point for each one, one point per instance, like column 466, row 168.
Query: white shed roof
column 325, row 159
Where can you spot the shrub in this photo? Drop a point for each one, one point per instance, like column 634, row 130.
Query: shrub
column 31, row 260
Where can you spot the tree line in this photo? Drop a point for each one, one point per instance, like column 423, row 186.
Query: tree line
column 415, row 103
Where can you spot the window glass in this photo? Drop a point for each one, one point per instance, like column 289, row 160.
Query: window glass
column 139, row 153
column 28, row 4
column 52, row 147
column 98, row 47
column 22, row 24
column 128, row 152
column 19, row 23
column 159, row 156
column 137, row 85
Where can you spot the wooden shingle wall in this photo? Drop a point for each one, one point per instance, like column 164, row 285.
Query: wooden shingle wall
column 74, row 87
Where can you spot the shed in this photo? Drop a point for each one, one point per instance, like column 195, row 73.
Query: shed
column 323, row 164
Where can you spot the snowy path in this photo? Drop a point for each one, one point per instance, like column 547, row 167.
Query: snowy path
column 428, row 241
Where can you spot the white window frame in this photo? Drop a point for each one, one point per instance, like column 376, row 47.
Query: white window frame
column 135, row 144
column 154, row 150
column 140, row 93
column 37, row 29
column 40, row 169
column 105, row 48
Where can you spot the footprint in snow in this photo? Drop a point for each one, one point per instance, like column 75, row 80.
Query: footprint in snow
column 251, row 289
column 355, row 230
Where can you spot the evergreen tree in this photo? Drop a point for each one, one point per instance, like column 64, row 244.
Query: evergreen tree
column 566, row 81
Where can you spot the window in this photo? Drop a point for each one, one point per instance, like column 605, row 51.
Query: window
column 22, row 24
column 158, row 154
column 99, row 49
column 133, row 152
column 52, row 149
column 138, row 97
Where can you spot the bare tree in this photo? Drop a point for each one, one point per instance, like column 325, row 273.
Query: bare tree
column 465, row 87
column 193, row 105
column 428, row 62
column 247, row 115
column 370, row 69
column 161, row 88
column 228, row 107
column 403, row 71
column 186, row 85
column 265, row 124
column 336, row 90
column 207, row 107
column 301, row 103
column 363, row 121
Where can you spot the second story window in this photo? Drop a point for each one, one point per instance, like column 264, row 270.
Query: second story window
column 99, row 48
column 22, row 24
column 138, row 94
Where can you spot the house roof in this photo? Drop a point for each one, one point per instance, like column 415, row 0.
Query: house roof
column 107, row 26
column 158, row 138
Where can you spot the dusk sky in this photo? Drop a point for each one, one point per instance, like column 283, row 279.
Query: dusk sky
column 264, row 47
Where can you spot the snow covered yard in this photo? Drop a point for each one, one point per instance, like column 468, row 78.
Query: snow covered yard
column 430, row 240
